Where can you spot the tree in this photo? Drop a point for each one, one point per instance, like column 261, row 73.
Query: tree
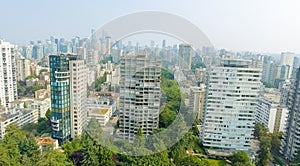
column 259, row 130
column 9, row 152
column 178, row 152
column 20, row 147
column 189, row 141
column 166, row 74
column 162, row 158
column 172, row 91
column 5, row 159
column 99, row 82
column 105, row 156
column 264, row 154
column 31, row 76
column 268, row 142
column 240, row 158
column 276, row 142
column 12, row 142
column 29, row 150
column 93, row 152
column 54, row 157
column 36, row 87
column 25, row 105
column 27, row 161
column 89, row 151
column 94, row 130
column 71, row 146
column 268, row 85
column 30, row 129
column 21, row 89
column 192, row 161
column 43, row 127
column 73, row 150
column 196, row 63
column 166, row 117
column 48, row 114
column 13, row 132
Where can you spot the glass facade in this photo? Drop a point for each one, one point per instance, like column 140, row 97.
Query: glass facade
column 60, row 96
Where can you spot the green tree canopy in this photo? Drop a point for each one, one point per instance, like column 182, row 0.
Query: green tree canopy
column 264, row 154
column 73, row 150
column 192, row 161
column 268, row 85
column 240, row 158
column 259, row 130
column 54, row 157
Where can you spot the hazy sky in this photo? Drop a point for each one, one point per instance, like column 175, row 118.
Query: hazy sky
column 254, row 25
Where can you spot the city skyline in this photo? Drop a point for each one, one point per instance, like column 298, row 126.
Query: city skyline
column 150, row 83
column 240, row 26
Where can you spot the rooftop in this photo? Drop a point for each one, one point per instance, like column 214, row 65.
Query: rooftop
column 231, row 62
column 23, row 100
column 7, row 115
column 272, row 95
column 44, row 140
column 101, row 111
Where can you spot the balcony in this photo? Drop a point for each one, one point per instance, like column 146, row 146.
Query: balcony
column 55, row 128
column 55, row 125
column 54, row 121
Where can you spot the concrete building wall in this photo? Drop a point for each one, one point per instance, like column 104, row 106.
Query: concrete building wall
column 231, row 104
column 8, row 76
column 139, row 94
column 78, row 96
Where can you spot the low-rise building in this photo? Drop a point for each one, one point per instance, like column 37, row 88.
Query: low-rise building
column 269, row 111
column 42, row 105
column 46, row 143
column 45, row 76
column 18, row 116
column 101, row 108
column 42, row 94
column 101, row 114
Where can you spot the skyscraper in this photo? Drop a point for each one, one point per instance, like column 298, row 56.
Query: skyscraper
column 8, row 78
column 185, row 56
column 139, row 94
column 291, row 142
column 163, row 44
column 68, row 96
column 23, row 68
column 197, row 99
column 268, row 73
column 287, row 59
column 78, row 96
column 209, row 55
column 283, row 73
column 231, row 103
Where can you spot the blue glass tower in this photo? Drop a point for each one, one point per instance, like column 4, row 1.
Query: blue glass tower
column 60, row 96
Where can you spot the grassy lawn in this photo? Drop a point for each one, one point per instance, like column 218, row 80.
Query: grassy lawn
column 213, row 162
